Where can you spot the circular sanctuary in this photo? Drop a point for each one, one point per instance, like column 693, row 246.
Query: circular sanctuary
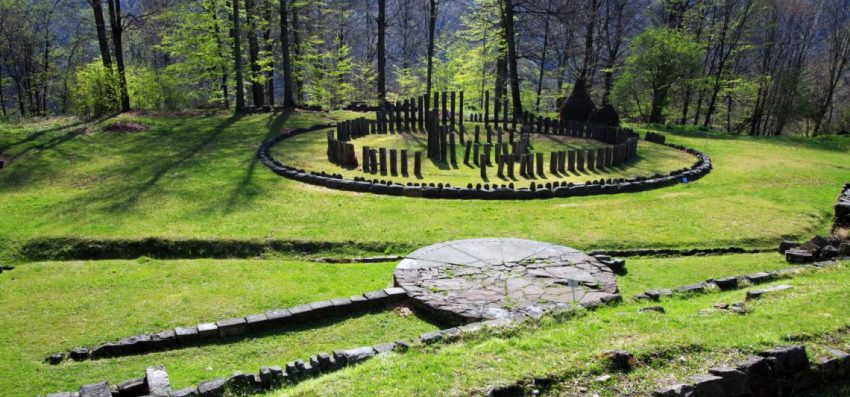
column 473, row 280
column 408, row 151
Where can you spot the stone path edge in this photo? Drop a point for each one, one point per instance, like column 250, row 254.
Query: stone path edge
column 209, row 332
column 701, row 167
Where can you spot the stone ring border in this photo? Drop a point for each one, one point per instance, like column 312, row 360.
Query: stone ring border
column 701, row 167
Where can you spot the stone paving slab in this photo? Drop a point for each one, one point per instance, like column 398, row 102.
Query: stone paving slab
column 493, row 278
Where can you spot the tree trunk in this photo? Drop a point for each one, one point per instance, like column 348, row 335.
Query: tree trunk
column 298, row 85
column 2, row 98
column 100, row 25
column 382, row 57
column 288, row 98
column 432, row 25
column 543, row 56
column 254, row 54
column 237, row 57
column 588, row 42
column 117, row 33
column 221, row 52
column 512, row 56
column 659, row 98
column 268, row 47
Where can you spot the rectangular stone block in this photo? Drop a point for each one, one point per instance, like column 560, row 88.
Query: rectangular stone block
column 232, row 327
column 207, row 330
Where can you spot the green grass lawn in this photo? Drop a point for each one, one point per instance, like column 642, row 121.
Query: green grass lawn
column 308, row 151
column 818, row 303
column 55, row 306
column 197, row 177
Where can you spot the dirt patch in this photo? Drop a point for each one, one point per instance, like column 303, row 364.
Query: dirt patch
column 126, row 127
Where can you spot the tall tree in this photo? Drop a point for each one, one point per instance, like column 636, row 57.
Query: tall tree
column 382, row 48
column 100, row 27
column 237, row 57
column 432, row 26
column 838, row 54
column 510, row 40
column 268, row 49
column 115, row 21
column 288, row 97
column 254, row 54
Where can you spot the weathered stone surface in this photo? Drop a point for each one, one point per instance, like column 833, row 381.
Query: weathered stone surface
column 79, row 354
column 836, row 365
column 56, row 358
column 795, row 255
column 472, row 280
column 726, row 283
column 133, row 387
column 185, row 392
column 212, row 388
column 358, row 355
column 271, row 376
column 758, row 293
column 207, row 330
column 791, row 358
column 157, row 380
column 691, row 289
column 658, row 309
column 96, row 390
column 678, row 390
column 706, row 385
column 232, row 327
column 735, row 382
column 758, row 278
column 187, row 335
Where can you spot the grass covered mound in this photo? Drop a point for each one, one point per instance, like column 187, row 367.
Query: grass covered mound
column 309, row 151
column 197, row 177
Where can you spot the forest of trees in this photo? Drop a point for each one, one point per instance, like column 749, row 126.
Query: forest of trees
column 758, row 67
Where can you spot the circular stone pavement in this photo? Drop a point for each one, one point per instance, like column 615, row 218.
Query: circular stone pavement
column 485, row 279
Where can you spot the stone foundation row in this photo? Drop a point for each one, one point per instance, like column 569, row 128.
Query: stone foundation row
column 156, row 382
column 233, row 327
column 782, row 371
column 729, row 283
column 680, row 252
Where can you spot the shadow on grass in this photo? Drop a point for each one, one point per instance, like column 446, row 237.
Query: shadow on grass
column 242, row 193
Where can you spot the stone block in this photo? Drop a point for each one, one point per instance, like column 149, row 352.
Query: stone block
column 395, row 294
column 79, row 354
column 300, row 313
column 375, row 297
column 787, row 245
column 132, row 387
column 759, row 278
column 212, row 388
column 706, row 385
column 342, row 305
column 658, row 309
column 258, row 322
column 384, row 347
column 691, row 289
column 619, row 359
column 359, row 355
column 677, row 390
column 187, row 335
column 321, row 309
column 186, row 392
column 207, row 330
column 55, row 358
column 758, row 293
column 725, row 283
column 792, row 359
column 799, row 256
column 100, row 389
column 272, row 376
column 278, row 317
column 157, row 381
column 735, row 382
column 836, row 366
column 232, row 327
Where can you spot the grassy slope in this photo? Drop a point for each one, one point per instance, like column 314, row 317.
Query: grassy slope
column 197, row 177
column 50, row 307
column 55, row 306
column 308, row 151
column 817, row 303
